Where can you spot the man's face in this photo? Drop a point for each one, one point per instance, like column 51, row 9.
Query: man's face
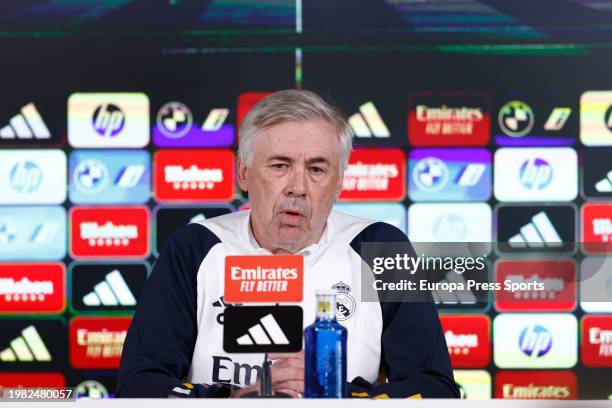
column 292, row 182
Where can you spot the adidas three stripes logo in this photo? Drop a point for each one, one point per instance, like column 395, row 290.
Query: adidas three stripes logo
column 112, row 291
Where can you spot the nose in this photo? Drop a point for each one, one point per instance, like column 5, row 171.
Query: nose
column 296, row 185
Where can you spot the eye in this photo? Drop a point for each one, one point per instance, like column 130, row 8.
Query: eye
column 279, row 166
column 317, row 170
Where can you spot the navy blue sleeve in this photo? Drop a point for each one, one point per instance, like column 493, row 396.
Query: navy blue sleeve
column 414, row 353
column 158, row 349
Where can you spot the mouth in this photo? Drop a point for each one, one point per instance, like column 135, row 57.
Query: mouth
column 293, row 213
column 292, row 216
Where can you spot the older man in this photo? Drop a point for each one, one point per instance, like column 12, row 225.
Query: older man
column 293, row 150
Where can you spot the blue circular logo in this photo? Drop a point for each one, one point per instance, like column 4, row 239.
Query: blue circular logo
column 8, row 233
column 430, row 174
column 90, row 176
column 174, row 120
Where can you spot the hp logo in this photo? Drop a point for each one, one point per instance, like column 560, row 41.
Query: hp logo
column 535, row 341
column 26, row 177
column 449, row 228
column 108, row 120
column 536, row 174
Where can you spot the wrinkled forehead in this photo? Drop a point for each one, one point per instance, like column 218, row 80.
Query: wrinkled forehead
column 298, row 141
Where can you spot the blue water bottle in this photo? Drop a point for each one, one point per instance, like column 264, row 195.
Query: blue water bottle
column 325, row 354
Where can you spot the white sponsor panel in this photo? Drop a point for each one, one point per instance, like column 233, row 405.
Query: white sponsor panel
column 32, row 232
column 596, row 118
column 108, row 120
column 456, row 222
column 32, row 176
column 391, row 213
column 542, row 340
column 536, row 174
column 596, row 284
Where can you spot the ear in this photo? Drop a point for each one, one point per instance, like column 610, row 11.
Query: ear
column 242, row 175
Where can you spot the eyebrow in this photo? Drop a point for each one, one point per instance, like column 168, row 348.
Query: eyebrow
column 318, row 159
column 314, row 160
column 280, row 158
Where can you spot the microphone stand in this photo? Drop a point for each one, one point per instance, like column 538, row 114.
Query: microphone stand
column 265, row 390
column 266, row 379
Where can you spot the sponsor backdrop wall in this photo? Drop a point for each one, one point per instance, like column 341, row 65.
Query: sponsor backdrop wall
column 118, row 124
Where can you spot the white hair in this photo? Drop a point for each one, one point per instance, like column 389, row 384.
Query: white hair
column 293, row 105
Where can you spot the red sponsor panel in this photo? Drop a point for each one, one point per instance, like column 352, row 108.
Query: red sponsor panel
column 535, row 385
column 536, row 285
column 32, row 287
column 375, row 175
column 97, row 342
column 109, row 232
column 246, row 102
column 597, row 228
column 194, row 175
column 448, row 119
column 32, row 380
column 264, row 278
column 468, row 340
column 596, row 341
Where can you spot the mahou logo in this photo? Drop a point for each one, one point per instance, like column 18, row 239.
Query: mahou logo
column 596, row 341
column 375, row 174
column 468, row 340
column 32, row 287
column 97, row 342
column 194, row 175
column 109, row 232
column 540, row 285
column 535, row 385
column 448, row 119
column 597, row 228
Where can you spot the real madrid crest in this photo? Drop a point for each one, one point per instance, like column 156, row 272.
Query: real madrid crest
column 345, row 301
